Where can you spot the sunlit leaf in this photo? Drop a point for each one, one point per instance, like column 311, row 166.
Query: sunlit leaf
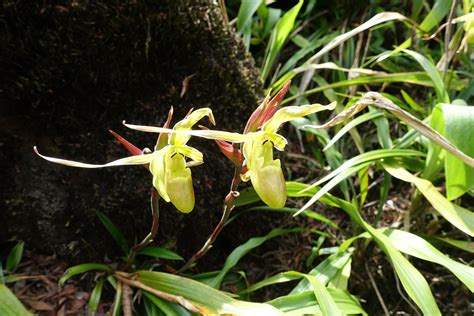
column 278, row 38
column 9, row 304
column 207, row 298
column 460, row 217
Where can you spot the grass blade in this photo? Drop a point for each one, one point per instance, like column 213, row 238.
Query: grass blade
column 14, row 257
column 159, row 252
column 359, row 120
column 82, row 268
column 432, row 72
column 246, row 11
column 114, row 231
column 243, row 249
column 96, row 293
column 278, row 38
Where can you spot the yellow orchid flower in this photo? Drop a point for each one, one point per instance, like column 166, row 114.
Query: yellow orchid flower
column 263, row 171
column 167, row 163
column 259, row 139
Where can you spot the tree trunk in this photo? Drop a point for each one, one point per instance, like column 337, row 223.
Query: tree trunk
column 72, row 72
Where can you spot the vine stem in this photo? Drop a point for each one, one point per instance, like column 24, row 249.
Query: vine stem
column 226, row 211
column 155, row 212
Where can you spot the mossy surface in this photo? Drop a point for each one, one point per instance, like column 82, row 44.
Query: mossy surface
column 71, row 72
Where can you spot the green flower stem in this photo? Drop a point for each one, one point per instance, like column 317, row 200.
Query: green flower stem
column 226, row 210
column 155, row 212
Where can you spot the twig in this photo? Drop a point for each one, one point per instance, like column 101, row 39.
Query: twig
column 447, row 37
column 404, row 297
column 127, row 293
column 377, row 292
column 126, row 279
column 226, row 210
column 154, row 199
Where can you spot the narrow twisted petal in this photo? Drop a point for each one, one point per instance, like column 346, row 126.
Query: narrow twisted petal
column 133, row 160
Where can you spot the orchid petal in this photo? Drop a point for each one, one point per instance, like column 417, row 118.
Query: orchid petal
column 290, row 113
column 208, row 134
column 187, row 123
column 133, row 160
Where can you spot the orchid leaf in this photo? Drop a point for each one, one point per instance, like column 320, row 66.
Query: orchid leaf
column 206, row 298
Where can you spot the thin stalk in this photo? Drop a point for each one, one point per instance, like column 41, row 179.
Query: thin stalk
column 226, row 211
column 155, row 212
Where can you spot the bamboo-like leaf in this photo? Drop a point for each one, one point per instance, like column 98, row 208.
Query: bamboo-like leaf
column 306, row 304
column 326, row 302
column 435, row 15
column 373, row 98
column 412, row 280
column 459, row 244
column 460, row 217
column 324, row 271
column 82, row 268
column 278, row 38
column 243, row 249
column 354, row 165
column 96, row 293
column 159, row 252
column 375, row 20
column 14, row 257
column 10, row 305
column 418, row 78
column 209, row 299
column 359, row 120
column 416, row 246
column 431, row 71
column 246, row 11
column 114, row 231
column 458, row 128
